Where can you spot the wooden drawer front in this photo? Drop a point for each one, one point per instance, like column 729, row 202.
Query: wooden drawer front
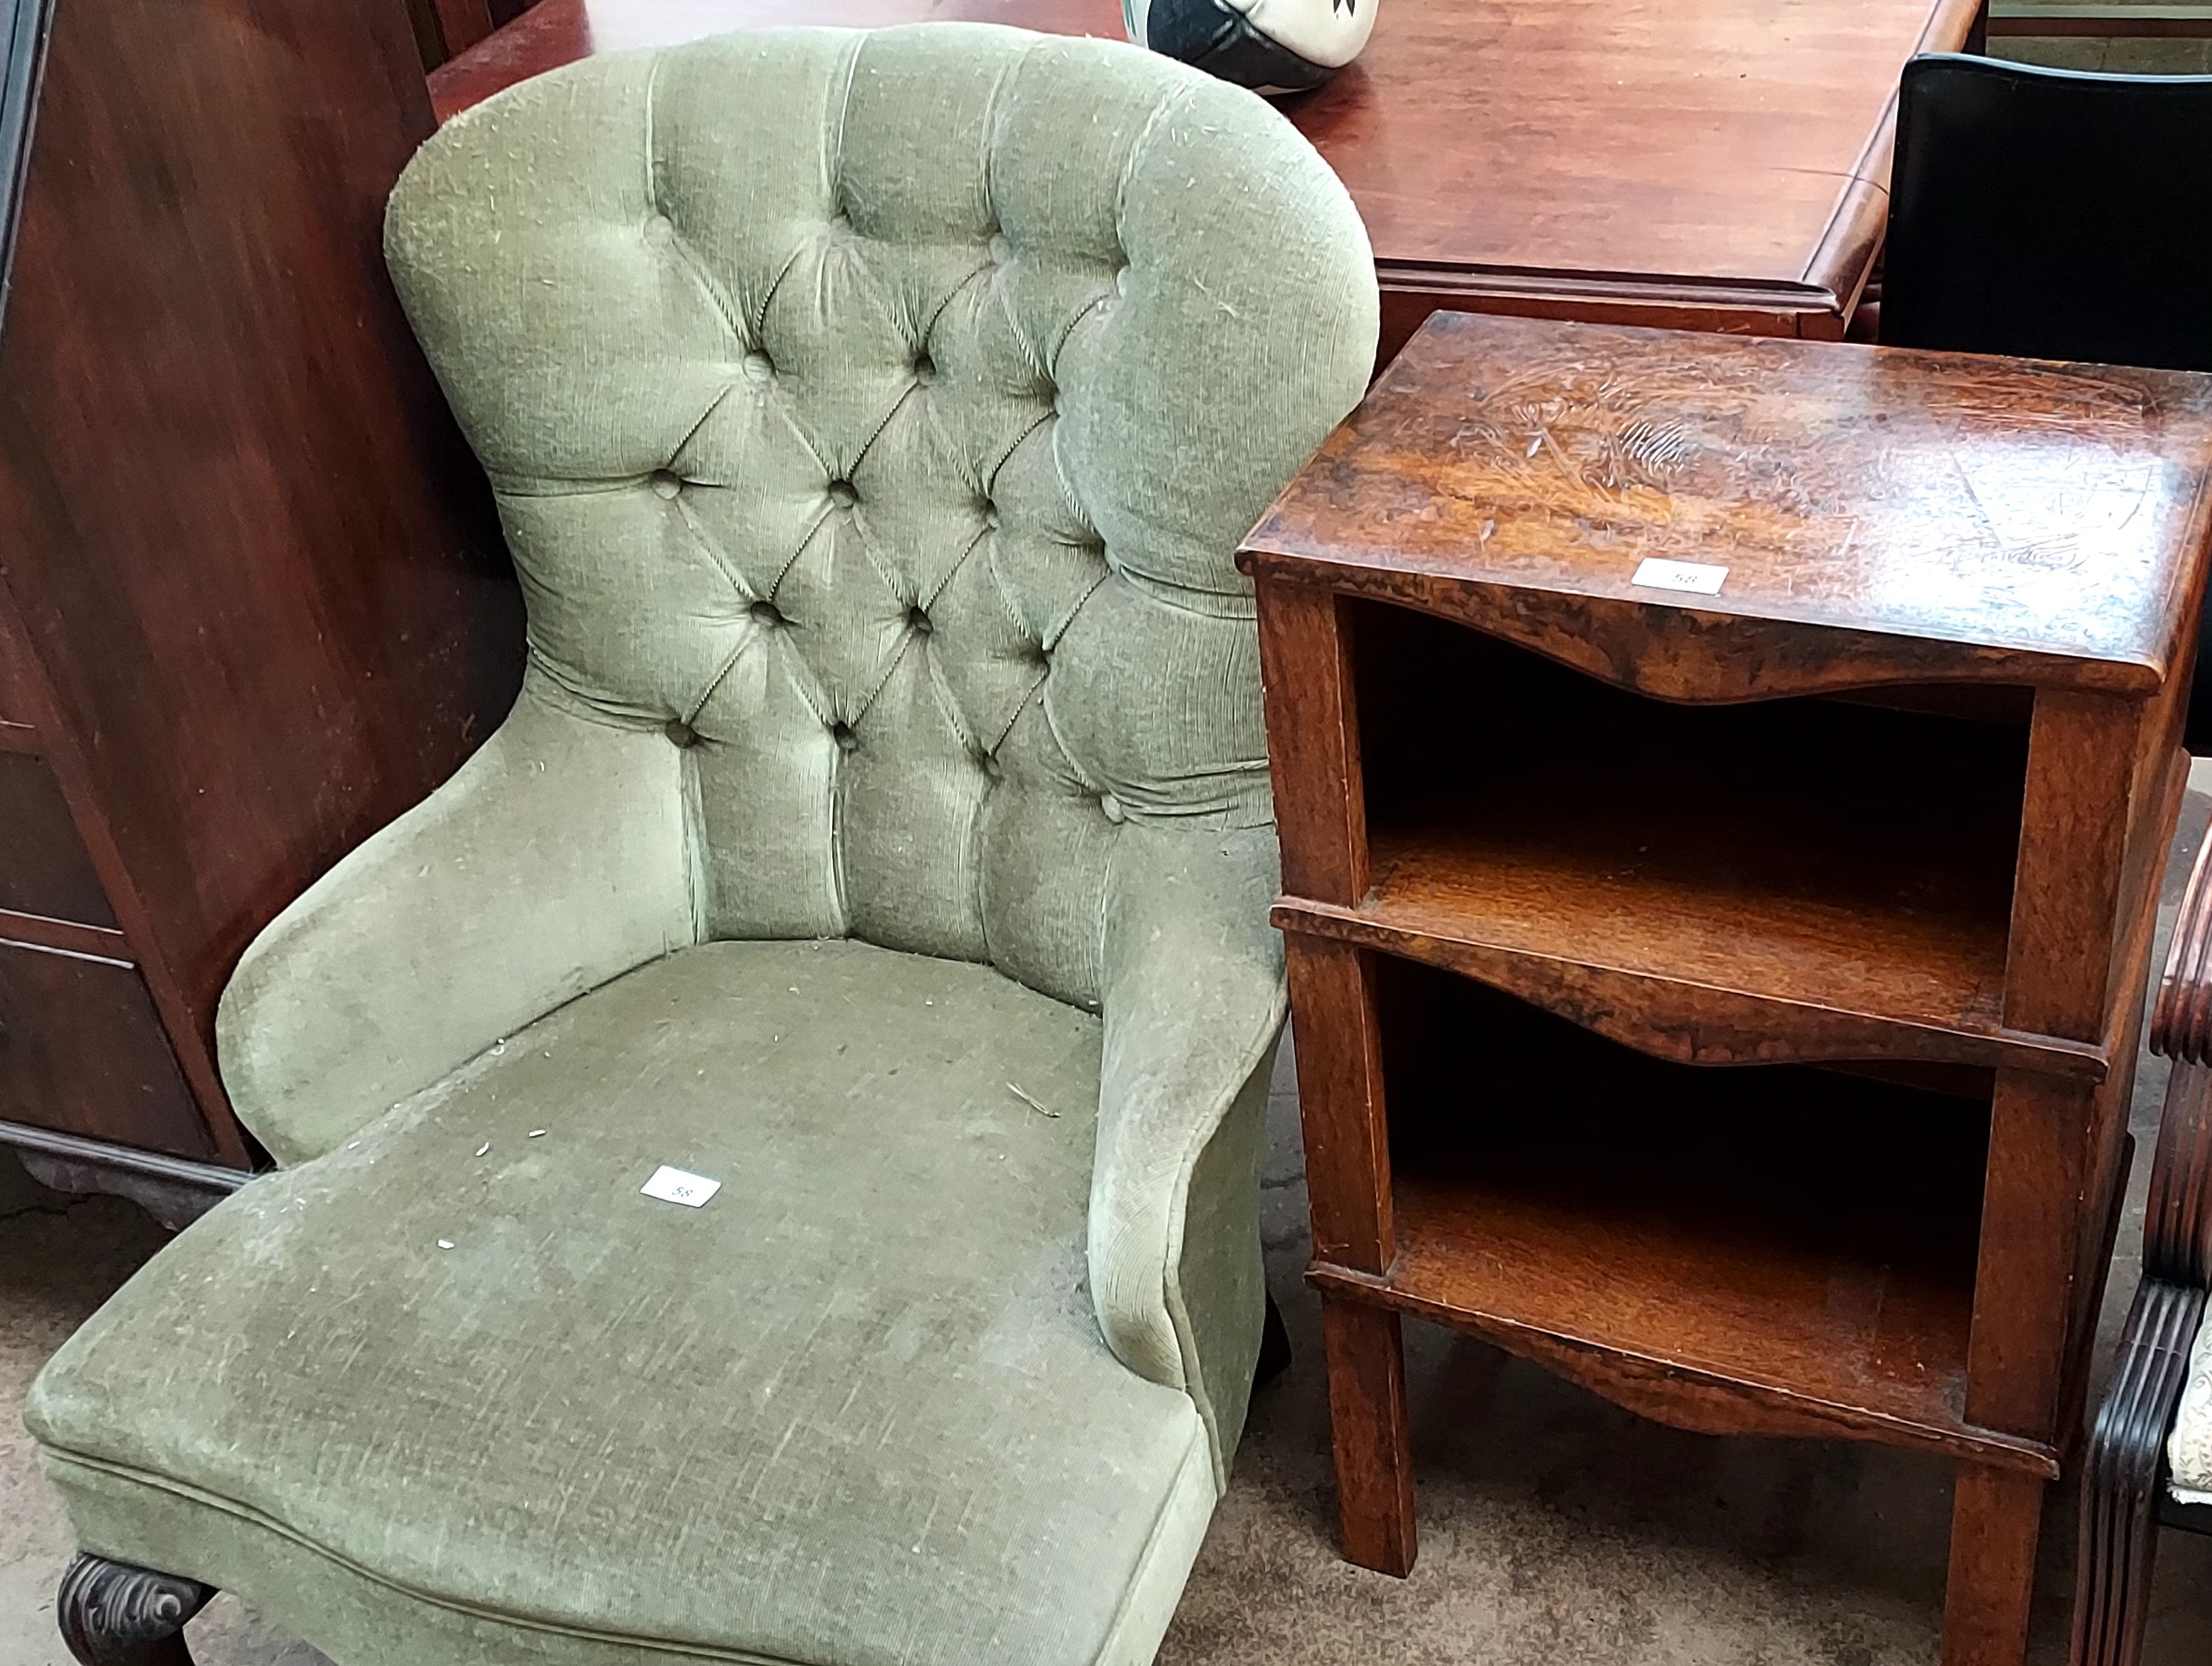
column 81, row 1051
column 43, row 868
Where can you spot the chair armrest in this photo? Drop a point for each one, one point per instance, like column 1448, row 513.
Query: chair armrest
column 2178, row 1224
column 553, row 861
column 1194, row 1002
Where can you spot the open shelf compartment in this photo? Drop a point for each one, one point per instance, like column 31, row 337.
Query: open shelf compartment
column 1692, row 869
column 1801, row 1238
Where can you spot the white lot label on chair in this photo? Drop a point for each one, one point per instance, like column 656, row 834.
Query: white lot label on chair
column 1655, row 574
column 674, row 1185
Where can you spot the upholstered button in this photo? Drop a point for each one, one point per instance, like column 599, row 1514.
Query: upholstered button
column 993, row 770
column 843, row 734
column 842, row 495
column 917, row 621
column 1001, row 250
column 660, row 230
column 925, row 369
column 1111, row 807
column 757, row 365
column 664, row 482
column 990, row 513
column 766, row 612
column 1121, row 282
column 680, row 733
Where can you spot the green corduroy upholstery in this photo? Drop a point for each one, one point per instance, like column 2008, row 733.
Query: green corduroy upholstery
column 872, row 418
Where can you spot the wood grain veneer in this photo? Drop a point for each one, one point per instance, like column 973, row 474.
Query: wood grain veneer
column 254, row 602
column 1885, row 516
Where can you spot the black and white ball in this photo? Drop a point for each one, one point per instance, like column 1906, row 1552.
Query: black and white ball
column 1270, row 46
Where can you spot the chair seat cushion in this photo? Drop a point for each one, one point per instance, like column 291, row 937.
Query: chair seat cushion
column 459, row 1391
column 2189, row 1446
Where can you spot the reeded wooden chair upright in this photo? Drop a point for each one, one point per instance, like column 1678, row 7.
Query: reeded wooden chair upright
column 2151, row 1450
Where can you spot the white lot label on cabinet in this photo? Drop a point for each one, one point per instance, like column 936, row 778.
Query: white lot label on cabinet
column 1655, row 574
column 673, row 1186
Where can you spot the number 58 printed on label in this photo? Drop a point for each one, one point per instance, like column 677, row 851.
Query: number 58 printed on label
column 675, row 1185
column 1655, row 574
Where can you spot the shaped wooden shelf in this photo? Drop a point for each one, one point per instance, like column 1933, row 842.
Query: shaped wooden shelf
column 1724, row 1250
column 1720, row 982
column 1788, row 879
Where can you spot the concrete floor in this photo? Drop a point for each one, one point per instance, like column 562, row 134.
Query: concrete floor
column 1556, row 1529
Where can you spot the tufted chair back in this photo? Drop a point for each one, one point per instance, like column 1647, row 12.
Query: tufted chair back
column 876, row 415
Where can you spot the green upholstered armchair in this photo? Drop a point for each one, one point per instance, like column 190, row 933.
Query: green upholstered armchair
column 884, row 830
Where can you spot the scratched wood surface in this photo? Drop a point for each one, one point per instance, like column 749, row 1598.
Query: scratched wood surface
column 1883, row 516
column 1697, row 163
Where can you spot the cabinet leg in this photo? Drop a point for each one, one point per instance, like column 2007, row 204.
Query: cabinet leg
column 1374, row 1464
column 1996, row 1518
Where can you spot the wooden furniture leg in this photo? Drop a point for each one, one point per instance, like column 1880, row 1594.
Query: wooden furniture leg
column 1374, row 1460
column 2048, row 1150
column 2053, row 1143
column 2046, row 1138
column 2126, row 1467
column 1996, row 1518
column 1340, row 1084
column 111, row 1614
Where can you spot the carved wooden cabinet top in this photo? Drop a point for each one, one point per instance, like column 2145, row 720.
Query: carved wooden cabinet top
column 1883, row 516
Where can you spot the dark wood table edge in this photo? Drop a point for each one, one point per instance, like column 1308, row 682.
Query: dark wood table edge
column 1658, row 301
column 1843, row 259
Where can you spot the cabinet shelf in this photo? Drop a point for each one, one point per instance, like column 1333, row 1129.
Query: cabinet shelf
column 1784, row 1248
column 1793, row 879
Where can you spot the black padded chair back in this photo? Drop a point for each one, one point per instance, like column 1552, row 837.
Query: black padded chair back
column 2051, row 214
column 2055, row 215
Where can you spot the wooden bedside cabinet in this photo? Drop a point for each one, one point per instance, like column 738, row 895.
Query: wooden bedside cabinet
column 1645, row 703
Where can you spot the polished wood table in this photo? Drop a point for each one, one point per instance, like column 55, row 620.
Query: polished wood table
column 1713, row 164
column 1643, row 702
